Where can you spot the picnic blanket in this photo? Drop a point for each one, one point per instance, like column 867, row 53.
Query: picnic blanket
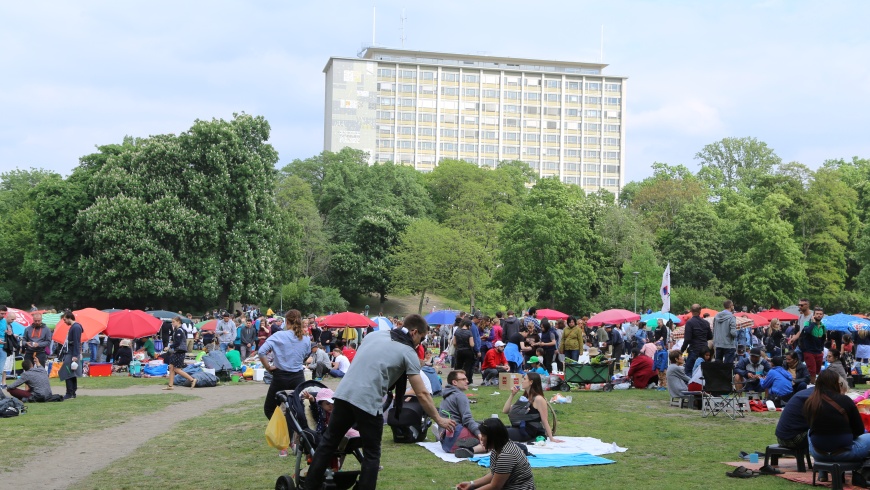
column 571, row 446
column 555, row 460
column 789, row 468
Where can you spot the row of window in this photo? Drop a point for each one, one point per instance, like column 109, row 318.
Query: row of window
column 509, row 80
column 494, row 94
column 506, row 150
column 491, row 135
column 511, row 122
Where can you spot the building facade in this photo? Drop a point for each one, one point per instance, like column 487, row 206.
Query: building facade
column 563, row 119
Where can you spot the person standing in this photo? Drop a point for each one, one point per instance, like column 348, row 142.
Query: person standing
column 226, row 331
column 72, row 356
column 812, row 343
column 289, row 349
column 177, row 352
column 463, row 342
column 548, row 343
column 36, row 338
column 391, row 356
column 696, row 336
column 573, row 339
column 725, row 333
column 249, row 339
column 615, row 342
column 510, row 326
column 190, row 332
column 5, row 331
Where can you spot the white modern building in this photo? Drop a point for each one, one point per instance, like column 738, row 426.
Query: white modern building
column 564, row 119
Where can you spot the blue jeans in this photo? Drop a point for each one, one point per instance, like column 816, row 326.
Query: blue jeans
column 335, row 373
column 573, row 354
column 224, row 346
column 726, row 355
column 2, row 359
column 94, row 348
column 859, row 451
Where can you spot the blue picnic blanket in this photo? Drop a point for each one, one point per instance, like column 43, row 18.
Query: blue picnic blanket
column 555, row 460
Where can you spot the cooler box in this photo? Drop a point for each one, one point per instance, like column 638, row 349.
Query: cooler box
column 588, row 373
column 506, row 381
column 98, row 369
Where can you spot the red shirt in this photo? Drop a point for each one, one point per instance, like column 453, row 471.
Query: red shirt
column 349, row 353
column 495, row 334
column 493, row 358
column 641, row 371
column 421, row 351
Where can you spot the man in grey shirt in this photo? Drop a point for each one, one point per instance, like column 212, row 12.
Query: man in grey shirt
column 319, row 362
column 226, row 332
column 385, row 361
column 36, row 378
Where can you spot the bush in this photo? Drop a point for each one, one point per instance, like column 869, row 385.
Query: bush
column 307, row 298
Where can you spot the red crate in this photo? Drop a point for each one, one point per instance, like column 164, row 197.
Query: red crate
column 100, row 369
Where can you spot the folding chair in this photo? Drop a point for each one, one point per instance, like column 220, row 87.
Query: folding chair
column 720, row 394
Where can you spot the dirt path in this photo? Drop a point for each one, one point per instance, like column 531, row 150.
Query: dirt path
column 60, row 467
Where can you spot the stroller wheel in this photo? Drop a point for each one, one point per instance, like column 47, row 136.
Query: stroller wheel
column 565, row 386
column 285, row 482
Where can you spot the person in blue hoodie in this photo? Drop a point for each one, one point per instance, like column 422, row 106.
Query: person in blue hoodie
column 777, row 383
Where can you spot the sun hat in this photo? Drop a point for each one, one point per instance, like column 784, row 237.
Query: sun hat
column 325, row 395
column 593, row 351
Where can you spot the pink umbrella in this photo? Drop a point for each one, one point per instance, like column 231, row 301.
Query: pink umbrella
column 132, row 324
column 551, row 314
column 20, row 316
column 346, row 319
column 779, row 315
column 612, row 317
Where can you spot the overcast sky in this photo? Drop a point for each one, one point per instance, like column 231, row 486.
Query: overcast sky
column 795, row 74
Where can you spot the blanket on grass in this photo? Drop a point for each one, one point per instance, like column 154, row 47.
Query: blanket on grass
column 554, row 460
column 572, row 446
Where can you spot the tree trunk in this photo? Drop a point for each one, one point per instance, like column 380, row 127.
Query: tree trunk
column 422, row 298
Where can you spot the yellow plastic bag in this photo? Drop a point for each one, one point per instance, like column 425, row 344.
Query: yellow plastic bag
column 277, row 432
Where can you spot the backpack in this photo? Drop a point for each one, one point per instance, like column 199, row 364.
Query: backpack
column 11, row 407
column 434, row 379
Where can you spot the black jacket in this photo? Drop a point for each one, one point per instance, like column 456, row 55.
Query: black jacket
column 696, row 334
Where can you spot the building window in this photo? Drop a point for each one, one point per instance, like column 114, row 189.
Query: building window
column 611, row 141
column 611, row 155
column 572, row 140
column 468, row 148
column 489, row 135
column 511, row 95
column 612, row 114
column 554, row 84
column 510, row 150
column 489, row 149
column 386, row 73
column 611, row 100
column 511, row 108
column 426, row 131
column 570, row 180
column 551, row 138
column 552, row 111
column 611, row 169
column 572, row 112
column 490, row 107
column 592, row 154
column 572, row 99
column 512, row 81
column 510, row 136
column 406, row 102
column 385, row 87
column 551, row 165
column 553, row 97
column 426, row 103
column 449, row 133
column 407, row 74
column 451, row 91
column 590, row 167
column 573, row 85
column 532, row 82
column 491, row 79
column 450, row 118
column 425, row 117
column 591, row 140
column 470, row 78
column 533, row 96
column 387, row 100
column 472, row 92
column 552, row 152
column 532, row 110
column 571, row 167
column 533, row 151
column 427, row 89
column 470, row 106
column 448, row 146
column 592, row 113
column 531, row 137
column 611, row 182
column 612, row 87
column 572, row 125
column 492, row 121
column 552, row 124
column 407, row 116
column 593, row 100
column 427, row 75
column 593, row 127
column 593, row 85
column 511, row 122
column 409, row 130
column 385, row 143
column 469, row 119
column 449, row 77
column 611, row 128
column 530, row 123
column 572, row 154
column 490, row 93
column 385, row 129
column 386, row 115
column 591, row 181
column 469, row 133
column 407, row 87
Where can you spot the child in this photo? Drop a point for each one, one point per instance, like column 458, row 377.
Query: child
column 535, row 362
column 660, row 364
column 697, row 383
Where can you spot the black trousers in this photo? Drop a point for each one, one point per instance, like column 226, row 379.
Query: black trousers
column 281, row 381
column 465, row 361
column 371, row 429
column 72, row 384
column 40, row 354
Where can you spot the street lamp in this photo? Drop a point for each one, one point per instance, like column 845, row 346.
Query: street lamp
column 635, row 290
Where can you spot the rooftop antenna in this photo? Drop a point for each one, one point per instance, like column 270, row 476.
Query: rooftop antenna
column 602, row 43
column 374, row 18
column 402, row 37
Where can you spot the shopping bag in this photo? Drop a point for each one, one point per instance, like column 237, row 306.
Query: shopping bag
column 277, row 432
column 55, row 369
column 10, row 364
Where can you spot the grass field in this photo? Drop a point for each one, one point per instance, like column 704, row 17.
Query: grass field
column 667, row 448
column 108, row 382
column 46, row 423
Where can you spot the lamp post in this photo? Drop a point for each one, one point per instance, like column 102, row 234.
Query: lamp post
column 635, row 290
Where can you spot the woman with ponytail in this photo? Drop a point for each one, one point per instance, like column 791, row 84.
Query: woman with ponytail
column 283, row 354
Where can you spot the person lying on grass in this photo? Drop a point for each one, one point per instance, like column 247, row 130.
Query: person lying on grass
column 529, row 416
column 508, row 466
column 464, row 441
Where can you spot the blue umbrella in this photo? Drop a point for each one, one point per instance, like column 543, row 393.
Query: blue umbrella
column 442, row 317
column 17, row 328
column 383, row 323
column 661, row 314
column 845, row 323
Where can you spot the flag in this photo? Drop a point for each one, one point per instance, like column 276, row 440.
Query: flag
column 666, row 289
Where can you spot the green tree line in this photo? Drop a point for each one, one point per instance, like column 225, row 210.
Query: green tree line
column 206, row 217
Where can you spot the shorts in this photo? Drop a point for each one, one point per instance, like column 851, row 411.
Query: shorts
column 2, row 359
column 177, row 359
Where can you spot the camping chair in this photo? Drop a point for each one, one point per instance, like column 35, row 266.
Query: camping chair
column 720, row 394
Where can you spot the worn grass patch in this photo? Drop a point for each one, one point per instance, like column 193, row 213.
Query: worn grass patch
column 47, row 423
column 667, row 448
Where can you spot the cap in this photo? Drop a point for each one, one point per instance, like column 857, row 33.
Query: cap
column 755, row 351
column 534, row 359
column 325, row 395
column 499, row 343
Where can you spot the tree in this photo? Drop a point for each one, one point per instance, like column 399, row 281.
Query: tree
column 661, row 197
column 294, row 196
column 737, row 164
column 692, row 247
column 425, row 258
column 313, row 170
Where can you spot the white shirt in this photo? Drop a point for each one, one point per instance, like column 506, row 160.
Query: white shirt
column 343, row 363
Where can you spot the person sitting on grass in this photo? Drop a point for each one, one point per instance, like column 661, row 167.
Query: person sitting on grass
column 149, row 348
column 318, row 363
column 678, row 380
column 777, row 383
column 535, row 366
column 494, row 363
column 529, row 415
column 340, row 364
column 234, row 357
column 751, row 370
column 509, row 468
column 36, row 378
column 641, row 371
column 464, row 441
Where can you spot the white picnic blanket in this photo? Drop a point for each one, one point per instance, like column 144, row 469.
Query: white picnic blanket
column 572, row 445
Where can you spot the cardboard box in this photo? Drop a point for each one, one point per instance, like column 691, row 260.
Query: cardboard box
column 506, row 381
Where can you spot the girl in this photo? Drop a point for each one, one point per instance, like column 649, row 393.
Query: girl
column 508, row 466
column 697, row 383
column 463, row 342
column 836, row 431
column 531, row 408
column 177, row 351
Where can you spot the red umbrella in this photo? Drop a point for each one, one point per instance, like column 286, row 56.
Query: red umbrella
column 758, row 320
column 209, row 325
column 551, row 314
column 346, row 319
column 612, row 317
column 779, row 315
column 132, row 324
column 93, row 321
column 20, row 316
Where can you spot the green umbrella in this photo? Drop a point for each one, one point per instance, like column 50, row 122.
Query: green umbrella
column 50, row 319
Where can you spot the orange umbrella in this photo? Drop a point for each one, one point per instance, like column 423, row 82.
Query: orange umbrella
column 93, row 321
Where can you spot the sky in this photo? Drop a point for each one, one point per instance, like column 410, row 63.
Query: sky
column 74, row 75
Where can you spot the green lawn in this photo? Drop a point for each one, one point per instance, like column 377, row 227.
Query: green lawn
column 667, row 448
column 46, row 423
column 108, row 382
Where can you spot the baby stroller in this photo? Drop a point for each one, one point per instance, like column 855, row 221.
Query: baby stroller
column 305, row 439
